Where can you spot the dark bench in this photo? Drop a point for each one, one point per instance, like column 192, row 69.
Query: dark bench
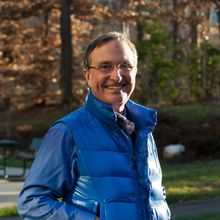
column 29, row 154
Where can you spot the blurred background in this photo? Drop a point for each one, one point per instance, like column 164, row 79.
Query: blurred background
column 178, row 42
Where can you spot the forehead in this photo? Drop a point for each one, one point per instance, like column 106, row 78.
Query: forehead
column 114, row 51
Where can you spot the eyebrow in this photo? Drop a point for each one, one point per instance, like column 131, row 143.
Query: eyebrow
column 107, row 62
column 103, row 62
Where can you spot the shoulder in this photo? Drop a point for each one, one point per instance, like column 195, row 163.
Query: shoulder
column 75, row 119
column 141, row 115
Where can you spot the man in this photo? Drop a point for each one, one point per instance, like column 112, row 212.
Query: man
column 95, row 163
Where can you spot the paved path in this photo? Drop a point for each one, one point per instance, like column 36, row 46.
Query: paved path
column 9, row 189
column 9, row 192
column 196, row 208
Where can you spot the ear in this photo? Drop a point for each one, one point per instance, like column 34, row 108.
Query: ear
column 86, row 75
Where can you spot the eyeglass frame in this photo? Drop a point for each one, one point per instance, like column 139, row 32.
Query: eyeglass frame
column 129, row 67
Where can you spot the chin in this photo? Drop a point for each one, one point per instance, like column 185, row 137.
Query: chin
column 118, row 102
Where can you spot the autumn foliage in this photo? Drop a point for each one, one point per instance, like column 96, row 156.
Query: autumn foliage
column 30, row 48
column 30, row 40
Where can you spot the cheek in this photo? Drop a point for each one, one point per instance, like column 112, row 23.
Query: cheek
column 131, row 78
column 134, row 80
column 95, row 81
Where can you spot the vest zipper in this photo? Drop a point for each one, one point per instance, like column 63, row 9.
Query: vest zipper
column 138, row 186
column 134, row 161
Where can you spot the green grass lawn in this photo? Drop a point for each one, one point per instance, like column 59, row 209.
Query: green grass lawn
column 202, row 217
column 11, row 211
column 192, row 111
column 12, row 162
column 191, row 181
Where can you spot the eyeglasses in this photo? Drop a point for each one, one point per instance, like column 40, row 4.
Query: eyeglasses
column 109, row 67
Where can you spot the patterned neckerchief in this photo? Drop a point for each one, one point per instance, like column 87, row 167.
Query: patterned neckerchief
column 126, row 124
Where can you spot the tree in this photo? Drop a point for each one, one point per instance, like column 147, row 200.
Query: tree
column 66, row 53
column 36, row 70
column 22, row 38
column 30, row 45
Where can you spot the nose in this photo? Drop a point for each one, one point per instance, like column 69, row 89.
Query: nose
column 116, row 75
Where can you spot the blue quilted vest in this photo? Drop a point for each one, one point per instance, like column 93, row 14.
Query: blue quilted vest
column 118, row 177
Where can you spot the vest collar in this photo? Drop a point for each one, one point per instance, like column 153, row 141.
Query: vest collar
column 103, row 111
column 144, row 118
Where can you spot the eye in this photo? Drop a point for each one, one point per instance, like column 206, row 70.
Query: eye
column 125, row 66
column 106, row 67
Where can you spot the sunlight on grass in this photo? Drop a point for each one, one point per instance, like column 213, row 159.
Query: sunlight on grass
column 11, row 211
column 191, row 181
column 190, row 111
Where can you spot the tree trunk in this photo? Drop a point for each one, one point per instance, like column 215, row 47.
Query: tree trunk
column 66, row 53
column 175, row 31
column 193, row 29
column 140, row 32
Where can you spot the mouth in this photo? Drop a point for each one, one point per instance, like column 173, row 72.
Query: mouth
column 115, row 87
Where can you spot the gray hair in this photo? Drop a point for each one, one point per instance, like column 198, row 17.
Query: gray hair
column 103, row 39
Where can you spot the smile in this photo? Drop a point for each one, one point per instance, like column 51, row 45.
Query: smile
column 115, row 87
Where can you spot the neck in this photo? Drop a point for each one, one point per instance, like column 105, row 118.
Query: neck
column 118, row 109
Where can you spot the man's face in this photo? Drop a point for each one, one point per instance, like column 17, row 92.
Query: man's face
column 112, row 86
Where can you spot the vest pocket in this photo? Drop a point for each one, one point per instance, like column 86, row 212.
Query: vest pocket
column 89, row 205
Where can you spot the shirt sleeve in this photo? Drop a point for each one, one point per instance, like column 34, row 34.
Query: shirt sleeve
column 51, row 179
